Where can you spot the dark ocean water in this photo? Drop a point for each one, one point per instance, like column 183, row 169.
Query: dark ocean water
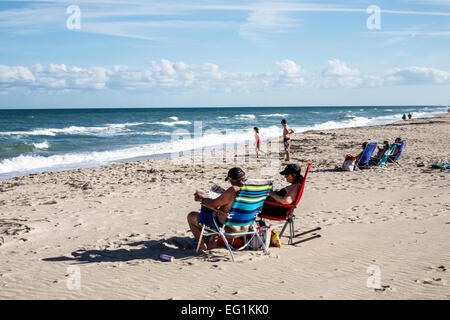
column 33, row 141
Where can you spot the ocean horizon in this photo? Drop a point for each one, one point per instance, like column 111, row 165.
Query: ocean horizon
column 37, row 140
column 225, row 106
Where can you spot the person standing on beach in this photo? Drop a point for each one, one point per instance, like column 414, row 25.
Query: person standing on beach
column 409, row 116
column 404, row 117
column 258, row 142
column 287, row 139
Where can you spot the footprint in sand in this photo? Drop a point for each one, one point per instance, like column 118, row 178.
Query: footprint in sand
column 384, row 288
column 440, row 268
column 12, row 227
column 432, row 281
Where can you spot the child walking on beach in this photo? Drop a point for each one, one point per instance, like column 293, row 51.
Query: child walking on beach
column 258, row 142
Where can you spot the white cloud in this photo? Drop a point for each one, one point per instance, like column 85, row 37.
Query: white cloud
column 339, row 68
column 417, row 75
column 393, row 40
column 289, row 67
column 291, row 74
column 338, row 74
column 19, row 75
column 260, row 23
column 182, row 77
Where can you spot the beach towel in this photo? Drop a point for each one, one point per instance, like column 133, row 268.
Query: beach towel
column 441, row 166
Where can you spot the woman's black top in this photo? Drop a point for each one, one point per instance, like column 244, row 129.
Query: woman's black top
column 281, row 193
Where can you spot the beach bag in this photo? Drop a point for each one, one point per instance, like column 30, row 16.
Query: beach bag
column 349, row 164
column 264, row 232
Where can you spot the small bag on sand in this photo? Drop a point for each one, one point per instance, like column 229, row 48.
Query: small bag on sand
column 264, row 232
column 349, row 164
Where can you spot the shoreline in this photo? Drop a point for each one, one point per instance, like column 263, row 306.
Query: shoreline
column 205, row 150
column 113, row 222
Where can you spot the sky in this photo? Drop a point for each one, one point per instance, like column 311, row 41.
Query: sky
column 137, row 53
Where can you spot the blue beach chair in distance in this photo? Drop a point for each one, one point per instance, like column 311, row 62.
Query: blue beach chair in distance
column 367, row 154
column 399, row 152
column 388, row 155
column 247, row 205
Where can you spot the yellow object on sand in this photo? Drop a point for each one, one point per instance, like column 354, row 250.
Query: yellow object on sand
column 275, row 239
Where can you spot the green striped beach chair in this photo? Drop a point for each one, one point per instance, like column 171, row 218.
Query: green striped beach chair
column 246, row 207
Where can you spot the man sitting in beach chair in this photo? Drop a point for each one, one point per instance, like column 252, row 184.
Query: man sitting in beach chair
column 240, row 222
column 224, row 202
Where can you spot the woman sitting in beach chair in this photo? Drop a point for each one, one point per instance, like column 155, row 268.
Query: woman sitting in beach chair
column 288, row 194
column 280, row 205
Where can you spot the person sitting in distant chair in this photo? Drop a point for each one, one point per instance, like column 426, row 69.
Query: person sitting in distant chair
column 381, row 152
column 364, row 145
column 397, row 148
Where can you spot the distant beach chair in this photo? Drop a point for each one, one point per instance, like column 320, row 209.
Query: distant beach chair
column 285, row 212
column 367, row 154
column 398, row 153
column 388, row 154
column 246, row 207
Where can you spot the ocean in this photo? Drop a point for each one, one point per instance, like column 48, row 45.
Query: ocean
column 33, row 141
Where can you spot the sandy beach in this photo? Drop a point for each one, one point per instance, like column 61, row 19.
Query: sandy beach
column 108, row 225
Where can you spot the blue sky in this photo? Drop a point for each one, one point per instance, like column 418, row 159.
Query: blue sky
column 223, row 53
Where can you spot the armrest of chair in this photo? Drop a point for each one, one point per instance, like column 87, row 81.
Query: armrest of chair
column 277, row 204
column 216, row 210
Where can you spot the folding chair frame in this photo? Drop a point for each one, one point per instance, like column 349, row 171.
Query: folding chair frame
column 206, row 231
column 290, row 221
